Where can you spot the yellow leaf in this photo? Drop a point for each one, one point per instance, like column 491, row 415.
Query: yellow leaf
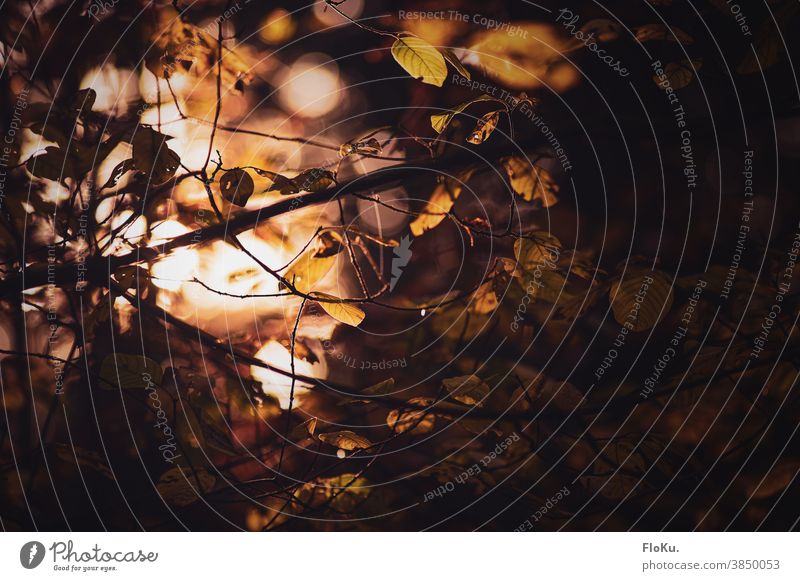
column 484, row 301
column 679, row 75
column 382, row 388
column 412, row 421
column 642, row 299
column 440, row 121
column 451, row 57
column 346, row 313
column 661, row 32
column 536, row 250
column 484, row 128
column 346, row 440
column 531, row 182
column 420, row 60
column 441, row 202
column 468, row 389
column 370, row 146
column 308, row 270
column 304, row 430
column 531, row 59
column 344, row 493
column 180, row 47
column 310, row 180
column 546, row 284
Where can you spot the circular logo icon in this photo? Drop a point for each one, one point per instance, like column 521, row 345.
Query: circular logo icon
column 31, row 554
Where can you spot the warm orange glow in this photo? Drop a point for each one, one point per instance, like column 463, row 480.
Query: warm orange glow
column 278, row 385
column 311, row 87
column 170, row 272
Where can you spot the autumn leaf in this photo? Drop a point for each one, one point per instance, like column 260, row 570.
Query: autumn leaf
column 346, row 313
column 382, row 388
column 528, row 60
column 346, row 440
column 310, row 180
column 530, row 181
column 152, row 156
column 72, row 454
column 484, row 128
column 484, row 300
column 314, row 180
column 440, row 121
column 119, row 170
column 603, row 29
column 370, row 146
column 650, row 32
column 620, row 469
column 454, row 61
column 54, row 164
column 83, row 101
column 546, row 284
column 420, row 60
column 308, row 270
column 182, row 47
column 441, row 202
column 343, row 493
column 72, row 160
column 328, row 243
column 467, row 389
column 181, row 486
column 236, row 186
column 642, row 299
column 679, row 75
column 768, row 43
column 124, row 371
column 304, row 430
column 536, row 250
column 215, row 431
column 413, row 421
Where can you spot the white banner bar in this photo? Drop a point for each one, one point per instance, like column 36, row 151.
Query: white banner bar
column 400, row 556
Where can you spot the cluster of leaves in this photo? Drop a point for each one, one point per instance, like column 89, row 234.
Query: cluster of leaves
column 480, row 401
